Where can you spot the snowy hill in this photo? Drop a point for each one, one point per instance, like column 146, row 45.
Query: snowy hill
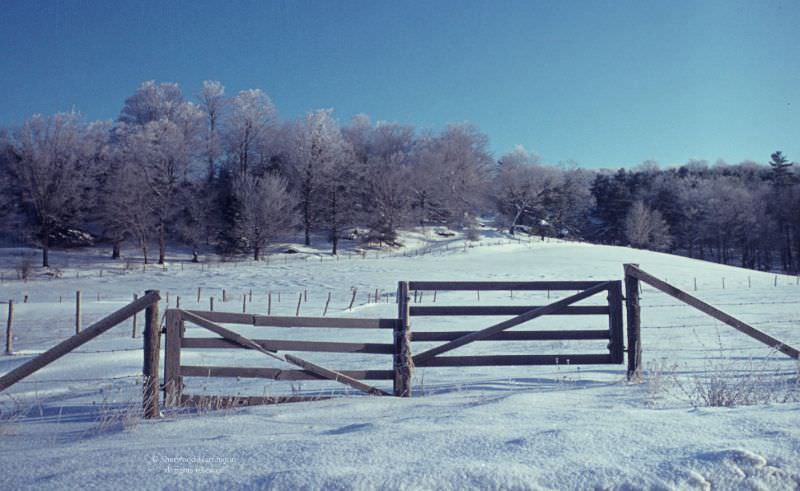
column 73, row 423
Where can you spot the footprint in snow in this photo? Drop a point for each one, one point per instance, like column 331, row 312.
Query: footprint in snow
column 350, row 429
column 737, row 469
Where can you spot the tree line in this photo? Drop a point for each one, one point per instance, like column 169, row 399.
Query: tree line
column 222, row 171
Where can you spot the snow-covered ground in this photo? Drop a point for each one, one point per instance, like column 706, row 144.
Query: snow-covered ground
column 73, row 424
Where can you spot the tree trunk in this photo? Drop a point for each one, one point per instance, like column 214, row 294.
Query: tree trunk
column 162, row 243
column 46, row 247
column 307, row 222
column 306, row 192
column 334, row 225
column 514, row 222
column 256, row 253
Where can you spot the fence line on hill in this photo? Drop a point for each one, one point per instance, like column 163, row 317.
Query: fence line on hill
column 272, row 301
column 276, row 259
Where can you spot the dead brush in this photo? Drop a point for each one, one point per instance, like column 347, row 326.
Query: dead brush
column 727, row 384
column 12, row 410
column 119, row 412
column 659, row 376
column 24, row 268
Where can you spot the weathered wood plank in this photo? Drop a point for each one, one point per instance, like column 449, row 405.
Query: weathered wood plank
column 403, row 364
column 507, row 324
column 510, row 360
column 173, row 383
column 513, row 335
column 245, row 342
column 633, row 320
column 616, row 346
column 225, row 402
column 713, row 312
column 152, row 351
column 501, row 285
column 312, row 322
column 286, row 345
column 277, row 373
column 504, row 310
column 77, row 340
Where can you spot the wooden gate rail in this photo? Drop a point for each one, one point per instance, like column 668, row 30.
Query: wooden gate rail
column 501, row 285
column 176, row 339
column 305, row 322
column 470, row 310
column 515, row 335
column 633, row 272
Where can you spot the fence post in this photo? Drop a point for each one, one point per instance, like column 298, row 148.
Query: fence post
column 152, row 342
column 133, row 334
column 352, row 300
column 403, row 363
column 634, row 325
column 327, row 302
column 77, row 312
column 8, row 326
column 173, row 382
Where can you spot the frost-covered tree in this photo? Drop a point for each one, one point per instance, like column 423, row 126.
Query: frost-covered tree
column 265, row 210
column 388, row 180
column 252, row 115
column 525, row 189
column 120, row 211
column 152, row 102
column 212, row 102
column 49, row 160
column 320, row 152
column 572, row 203
column 450, row 175
column 162, row 151
column 382, row 157
column 645, row 228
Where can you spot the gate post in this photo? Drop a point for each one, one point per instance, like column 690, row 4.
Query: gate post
column 616, row 336
column 173, row 382
column 634, row 324
column 152, row 341
column 402, row 361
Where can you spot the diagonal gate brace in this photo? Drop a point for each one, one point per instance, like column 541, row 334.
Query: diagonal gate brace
column 507, row 324
column 293, row 360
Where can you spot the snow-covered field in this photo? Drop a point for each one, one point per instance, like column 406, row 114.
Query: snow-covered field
column 73, row 424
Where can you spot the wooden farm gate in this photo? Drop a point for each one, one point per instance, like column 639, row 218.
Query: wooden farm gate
column 500, row 331
column 296, row 368
column 403, row 361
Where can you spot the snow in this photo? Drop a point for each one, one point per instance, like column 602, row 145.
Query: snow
column 557, row 427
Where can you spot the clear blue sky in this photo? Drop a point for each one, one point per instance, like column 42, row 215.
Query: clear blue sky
column 606, row 83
